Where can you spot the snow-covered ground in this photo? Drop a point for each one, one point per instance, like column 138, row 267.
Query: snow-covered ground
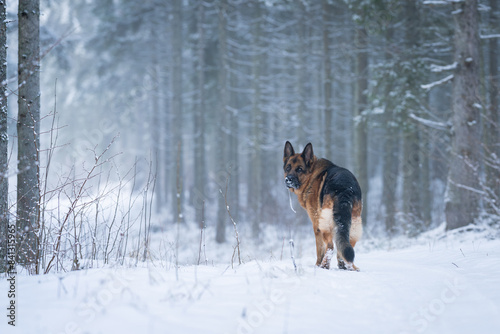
column 445, row 283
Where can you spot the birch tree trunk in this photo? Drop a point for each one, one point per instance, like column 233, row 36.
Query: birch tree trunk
column 28, row 130
column 462, row 197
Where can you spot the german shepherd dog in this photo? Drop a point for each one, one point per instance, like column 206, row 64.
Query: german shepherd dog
column 332, row 198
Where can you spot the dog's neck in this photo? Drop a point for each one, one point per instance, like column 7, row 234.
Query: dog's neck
column 304, row 191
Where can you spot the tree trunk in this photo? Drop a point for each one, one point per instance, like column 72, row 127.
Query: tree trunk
column 425, row 194
column 302, row 77
column 360, row 123
column 177, row 195
column 200, row 164
column 492, row 138
column 155, row 125
column 391, row 151
column 4, row 181
column 327, row 84
column 411, row 136
column 462, row 198
column 221, row 146
column 234, row 189
column 28, row 132
column 255, row 182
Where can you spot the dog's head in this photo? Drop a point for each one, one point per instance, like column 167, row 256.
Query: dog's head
column 297, row 167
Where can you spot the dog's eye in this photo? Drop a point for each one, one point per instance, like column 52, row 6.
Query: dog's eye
column 288, row 168
column 299, row 170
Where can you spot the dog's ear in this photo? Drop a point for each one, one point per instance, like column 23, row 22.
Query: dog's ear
column 288, row 150
column 308, row 154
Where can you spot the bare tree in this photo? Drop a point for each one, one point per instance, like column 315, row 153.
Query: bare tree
column 462, row 202
column 28, row 132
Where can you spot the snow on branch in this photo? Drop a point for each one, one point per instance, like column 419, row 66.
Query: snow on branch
column 441, row 2
column 463, row 186
column 437, row 83
column 437, row 68
column 489, row 36
column 429, row 123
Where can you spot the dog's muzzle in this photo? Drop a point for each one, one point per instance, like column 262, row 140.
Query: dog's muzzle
column 291, row 182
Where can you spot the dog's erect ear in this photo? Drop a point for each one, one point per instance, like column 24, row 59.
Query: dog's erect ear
column 308, row 154
column 288, row 150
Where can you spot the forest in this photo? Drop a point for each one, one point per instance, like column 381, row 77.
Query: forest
column 142, row 185
column 123, row 117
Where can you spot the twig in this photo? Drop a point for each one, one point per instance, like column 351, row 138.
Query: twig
column 106, row 253
column 291, row 254
column 78, row 196
column 147, row 219
column 128, row 213
column 50, row 153
column 237, row 247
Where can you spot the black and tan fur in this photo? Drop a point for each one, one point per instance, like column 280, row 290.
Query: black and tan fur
column 332, row 198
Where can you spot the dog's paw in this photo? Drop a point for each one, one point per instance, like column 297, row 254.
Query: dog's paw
column 351, row 267
column 347, row 266
column 326, row 259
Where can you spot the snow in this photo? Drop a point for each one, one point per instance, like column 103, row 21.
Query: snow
column 429, row 123
column 490, row 36
column 444, row 283
column 437, row 68
column 430, row 2
column 437, row 83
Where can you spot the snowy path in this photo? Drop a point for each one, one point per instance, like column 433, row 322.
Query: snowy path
column 448, row 287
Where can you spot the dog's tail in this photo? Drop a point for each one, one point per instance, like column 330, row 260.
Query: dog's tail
column 342, row 212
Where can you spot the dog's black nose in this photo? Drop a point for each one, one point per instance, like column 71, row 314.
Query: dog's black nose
column 289, row 182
